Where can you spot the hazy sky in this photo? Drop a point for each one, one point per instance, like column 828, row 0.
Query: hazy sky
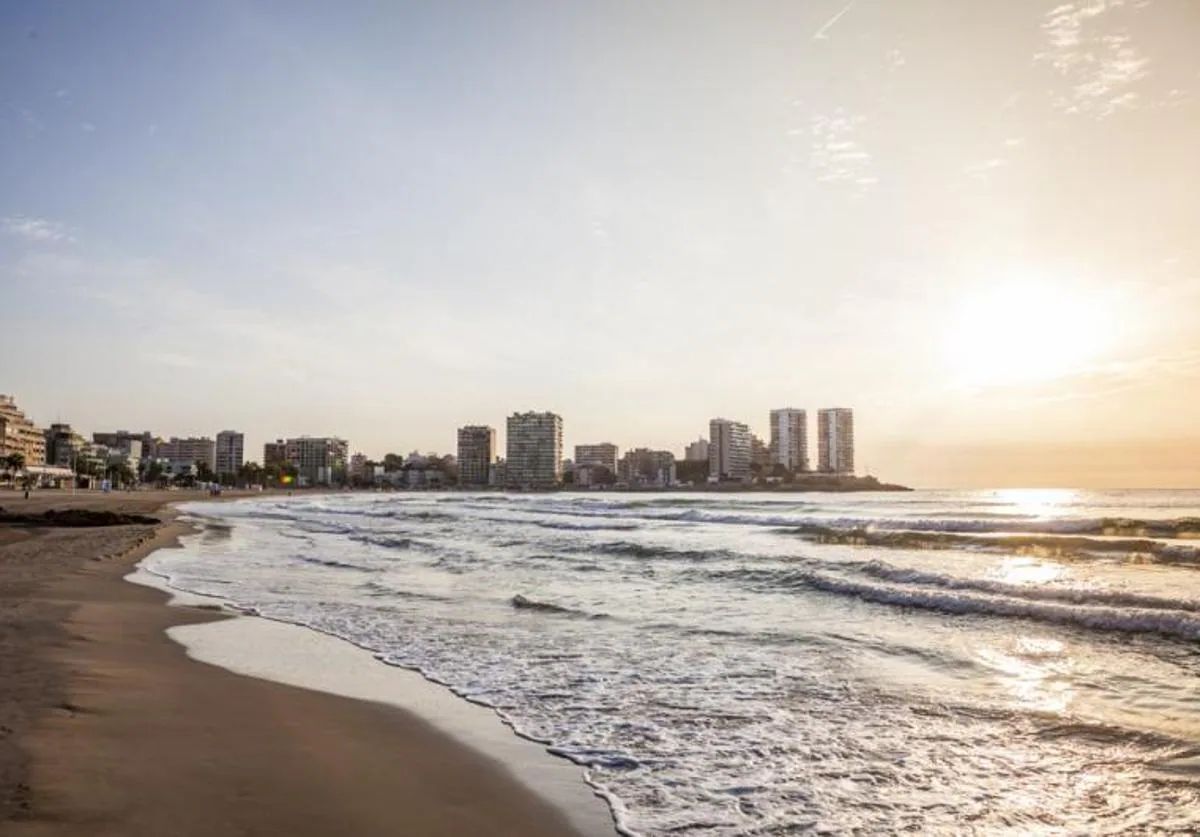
column 976, row 223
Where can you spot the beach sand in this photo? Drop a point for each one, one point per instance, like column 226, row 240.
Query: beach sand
column 108, row 728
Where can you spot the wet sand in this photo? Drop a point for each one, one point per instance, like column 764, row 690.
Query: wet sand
column 108, row 728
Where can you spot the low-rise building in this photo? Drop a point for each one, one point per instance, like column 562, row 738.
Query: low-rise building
column 697, row 451
column 642, row 467
column 186, row 455
column 63, row 446
column 599, row 455
column 19, row 435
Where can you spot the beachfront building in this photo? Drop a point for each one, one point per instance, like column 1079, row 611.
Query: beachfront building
column 275, row 454
column 63, row 446
column 835, row 440
column 185, row 456
column 476, row 450
column 318, row 460
column 789, row 439
column 122, row 441
column 230, row 453
column 533, row 456
column 760, row 454
column 728, row 451
column 18, row 435
column 642, row 467
column 697, row 451
column 600, row 455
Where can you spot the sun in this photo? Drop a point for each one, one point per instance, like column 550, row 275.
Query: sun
column 1023, row 331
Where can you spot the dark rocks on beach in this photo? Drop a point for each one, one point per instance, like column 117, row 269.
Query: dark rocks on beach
column 77, row 518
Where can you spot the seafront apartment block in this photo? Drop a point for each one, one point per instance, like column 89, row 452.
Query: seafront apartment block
column 835, row 440
column 19, row 435
column 476, row 450
column 728, row 450
column 603, row 455
column 230, row 452
column 534, row 450
column 789, row 438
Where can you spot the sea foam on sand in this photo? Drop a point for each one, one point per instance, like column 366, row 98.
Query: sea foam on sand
column 298, row 656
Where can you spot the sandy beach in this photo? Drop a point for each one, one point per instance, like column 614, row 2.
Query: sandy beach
column 107, row 727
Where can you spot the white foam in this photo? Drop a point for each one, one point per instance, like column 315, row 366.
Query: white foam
column 298, row 656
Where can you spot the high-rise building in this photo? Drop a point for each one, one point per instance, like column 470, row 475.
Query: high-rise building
column 230, row 453
column 789, row 438
column 645, row 467
column 186, row 455
column 760, row 453
column 728, row 450
column 533, row 456
column 697, row 451
column 476, row 450
column 835, row 440
column 319, row 460
column 602, row 455
column 275, row 453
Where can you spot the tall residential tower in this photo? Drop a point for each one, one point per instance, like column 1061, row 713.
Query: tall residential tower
column 789, row 438
column 534, row 450
column 476, row 450
column 728, row 450
column 835, row 440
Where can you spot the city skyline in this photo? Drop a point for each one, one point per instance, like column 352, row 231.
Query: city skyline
column 387, row 222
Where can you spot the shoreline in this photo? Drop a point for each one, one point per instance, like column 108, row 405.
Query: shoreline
column 110, row 727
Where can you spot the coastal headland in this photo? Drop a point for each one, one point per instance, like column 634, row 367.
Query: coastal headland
column 107, row 727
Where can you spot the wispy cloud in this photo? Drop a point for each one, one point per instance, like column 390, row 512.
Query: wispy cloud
column 836, row 155
column 34, row 229
column 822, row 34
column 1100, row 67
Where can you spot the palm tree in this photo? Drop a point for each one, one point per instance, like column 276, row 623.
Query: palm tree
column 13, row 463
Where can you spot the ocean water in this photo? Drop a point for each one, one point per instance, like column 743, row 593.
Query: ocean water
column 984, row 661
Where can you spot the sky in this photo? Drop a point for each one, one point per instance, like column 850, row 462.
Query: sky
column 974, row 223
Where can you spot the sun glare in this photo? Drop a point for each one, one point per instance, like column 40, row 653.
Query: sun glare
column 1020, row 332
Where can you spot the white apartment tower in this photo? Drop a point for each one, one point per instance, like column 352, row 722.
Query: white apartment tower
column 789, row 438
column 476, row 450
column 534, row 450
column 835, row 440
column 230, row 453
column 728, row 450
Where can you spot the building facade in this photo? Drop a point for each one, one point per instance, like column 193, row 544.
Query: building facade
column 18, row 434
column 789, row 439
column 318, row 460
column 230, row 453
column 122, row 440
column 728, row 450
column 697, row 451
column 835, row 440
column 533, row 454
column 186, row 455
column 601, row 455
column 476, row 451
column 63, row 446
column 648, row 468
column 275, row 453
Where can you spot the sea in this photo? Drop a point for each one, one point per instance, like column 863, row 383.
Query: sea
column 767, row 663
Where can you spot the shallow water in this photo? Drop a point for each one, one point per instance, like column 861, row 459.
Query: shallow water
column 930, row 661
